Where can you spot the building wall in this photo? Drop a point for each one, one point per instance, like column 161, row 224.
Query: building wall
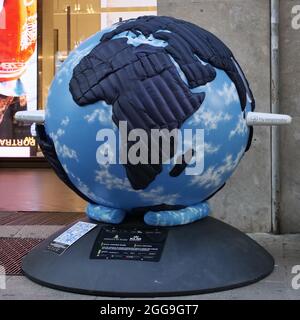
column 245, row 27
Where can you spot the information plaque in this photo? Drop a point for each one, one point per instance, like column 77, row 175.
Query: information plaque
column 118, row 243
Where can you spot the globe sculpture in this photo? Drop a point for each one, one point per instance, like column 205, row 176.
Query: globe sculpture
column 149, row 118
column 151, row 73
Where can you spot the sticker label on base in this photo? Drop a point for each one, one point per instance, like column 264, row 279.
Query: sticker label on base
column 70, row 236
column 115, row 243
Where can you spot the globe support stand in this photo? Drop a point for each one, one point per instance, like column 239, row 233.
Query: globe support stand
column 204, row 257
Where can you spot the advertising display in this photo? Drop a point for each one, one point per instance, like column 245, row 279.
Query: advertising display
column 18, row 75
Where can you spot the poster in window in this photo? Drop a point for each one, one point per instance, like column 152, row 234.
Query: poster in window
column 18, row 75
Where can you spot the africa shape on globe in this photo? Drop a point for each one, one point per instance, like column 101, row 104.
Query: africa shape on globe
column 152, row 73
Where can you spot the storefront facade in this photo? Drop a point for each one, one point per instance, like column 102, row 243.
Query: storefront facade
column 40, row 41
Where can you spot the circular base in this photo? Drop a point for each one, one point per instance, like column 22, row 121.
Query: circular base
column 203, row 257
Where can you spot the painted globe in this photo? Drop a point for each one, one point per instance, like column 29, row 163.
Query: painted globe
column 150, row 73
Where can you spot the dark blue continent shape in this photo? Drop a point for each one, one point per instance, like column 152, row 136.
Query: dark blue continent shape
column 142, row 83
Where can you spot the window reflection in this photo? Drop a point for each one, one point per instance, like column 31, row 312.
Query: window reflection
column 72, row 22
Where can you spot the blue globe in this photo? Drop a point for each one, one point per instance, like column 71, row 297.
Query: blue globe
column 84, row 98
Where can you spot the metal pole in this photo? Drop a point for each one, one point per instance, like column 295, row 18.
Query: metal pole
column 275, row 108
column 69, row 29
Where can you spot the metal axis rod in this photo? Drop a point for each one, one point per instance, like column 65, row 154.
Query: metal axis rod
column 275, row 108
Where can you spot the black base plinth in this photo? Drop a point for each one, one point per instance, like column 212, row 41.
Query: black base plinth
column 203, row 257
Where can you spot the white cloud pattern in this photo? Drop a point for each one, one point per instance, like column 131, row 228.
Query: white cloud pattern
column 158, row 196
column 100, row 115
column 154, row 196
column 82, row 187
column 85, row 189
column 241, row 128
column 65, row 122
column 213, row 176
column 211, row 149
column 111, row 182
column 61, row 149
column 229, row 93
column 209, row 119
